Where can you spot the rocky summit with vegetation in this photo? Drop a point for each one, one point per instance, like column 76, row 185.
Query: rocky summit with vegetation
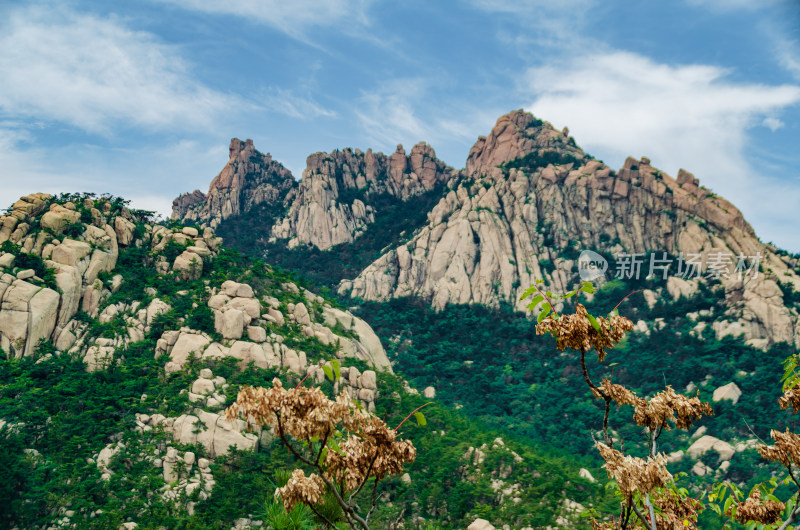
column 125, row 340
column 400, row 344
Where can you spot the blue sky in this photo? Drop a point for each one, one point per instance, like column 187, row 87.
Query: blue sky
column 140, row 99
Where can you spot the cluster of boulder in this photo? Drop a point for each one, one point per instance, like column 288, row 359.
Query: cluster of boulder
column 31, row 311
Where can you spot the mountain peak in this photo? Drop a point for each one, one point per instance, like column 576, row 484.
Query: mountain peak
column 249, row 178
column 515, row 135
column 238, row 146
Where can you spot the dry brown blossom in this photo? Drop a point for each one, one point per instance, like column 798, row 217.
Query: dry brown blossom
column 301, row 489
column 370, row 450
column 659, row 410
column 304, row 412
column 634, row 474
column 754, row 508
column 575, row 331
column 375, row 451
column 786, row 449
column 668, row 405
column 618, row 393
column 791, row 398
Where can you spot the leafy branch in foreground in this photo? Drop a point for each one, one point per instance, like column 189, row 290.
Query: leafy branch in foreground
column 345, row 445
column 649, row 495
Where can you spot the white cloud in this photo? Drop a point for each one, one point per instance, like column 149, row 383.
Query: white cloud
column 150, row 176
column 772, row 123
column 291, row 104
column 293, row 18
column 736, row 5
column 409, row 110
column 620, row 104
column 96, row 74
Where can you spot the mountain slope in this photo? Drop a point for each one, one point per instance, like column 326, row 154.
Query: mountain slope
column 124, row 339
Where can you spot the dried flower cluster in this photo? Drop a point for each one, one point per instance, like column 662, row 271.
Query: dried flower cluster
column 786, row 449
column 634, row 474
column 754, row 508
column 658, row 411
column 791, row 398
column 301, row 489
column 304, row 412
column 370, row 450
column 667, row 406
column 576, row 331
column 373, row 451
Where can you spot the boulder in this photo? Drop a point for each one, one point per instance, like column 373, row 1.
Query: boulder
column 124, row 230
column 705, row 443
column 251, row 306
column 248, row 352
column 187, row 344
column 480, row 524
column 58, row 218
column 301, row 315
column 730, row 392
column 71, row 252
column 156, row 307
column 189, row 265
column 256, row 334
column 230, row 323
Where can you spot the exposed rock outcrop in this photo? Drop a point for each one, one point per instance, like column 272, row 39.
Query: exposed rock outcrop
column 332, row 204
column 248, row 179
column 531, row 200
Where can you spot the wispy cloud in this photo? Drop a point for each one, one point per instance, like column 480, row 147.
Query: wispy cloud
column 294, row 104
column 294, row 18
column 410, row 110
column 150, row 176
column 96, row 74
column 688, row 116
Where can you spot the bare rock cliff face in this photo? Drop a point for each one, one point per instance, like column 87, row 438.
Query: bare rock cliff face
column 530, row 200
column 332, row 204
column 248, row 179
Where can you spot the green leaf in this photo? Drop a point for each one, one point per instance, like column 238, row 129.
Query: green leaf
column 570, row 294
column 334, row 445
column 588, row 288
column 336, row 370
column 595, row 324
column 544, row 312
column 527, row 292
column 615, row 312
column 323, row 454
column 328, row 372
column 420, row 417
column 727, row 504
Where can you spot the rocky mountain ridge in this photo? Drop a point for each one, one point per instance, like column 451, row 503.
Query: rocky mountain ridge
column 527, row 203
column 328, row 206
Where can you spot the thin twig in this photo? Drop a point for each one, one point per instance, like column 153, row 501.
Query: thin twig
column 641, row 517
column 411, row 414
column 374, row 499
column 366, row 478
column 552, row 307
column 629, row 294
column 327, row 521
